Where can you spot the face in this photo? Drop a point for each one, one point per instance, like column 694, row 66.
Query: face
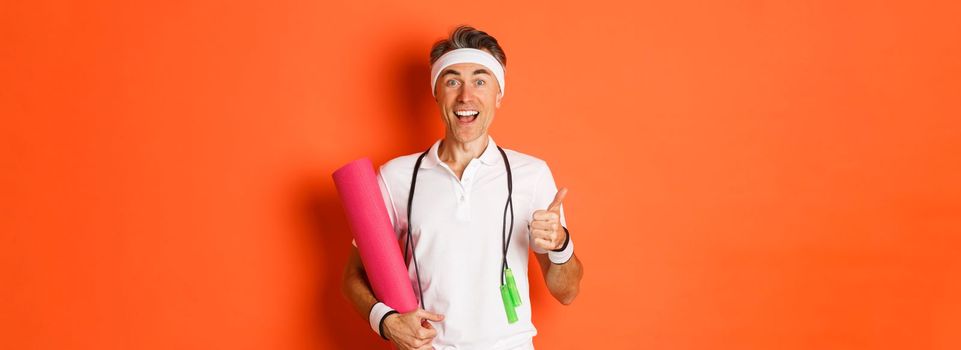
column 467, row 95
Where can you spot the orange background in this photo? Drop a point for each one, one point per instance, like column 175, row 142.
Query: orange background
column 743, row 174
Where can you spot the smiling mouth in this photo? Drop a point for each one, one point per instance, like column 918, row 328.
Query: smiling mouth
column 466, row 116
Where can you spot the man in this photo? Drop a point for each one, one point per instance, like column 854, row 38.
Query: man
column 462, row 234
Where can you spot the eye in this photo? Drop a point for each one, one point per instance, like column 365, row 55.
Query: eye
column 452, row 82
column 481, row 82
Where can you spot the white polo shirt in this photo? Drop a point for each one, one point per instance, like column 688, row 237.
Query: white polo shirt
column 457, row 236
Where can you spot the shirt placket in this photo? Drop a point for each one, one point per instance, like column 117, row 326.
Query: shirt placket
column 462, row 189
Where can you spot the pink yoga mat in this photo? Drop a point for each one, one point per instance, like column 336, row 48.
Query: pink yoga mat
column 367, row 216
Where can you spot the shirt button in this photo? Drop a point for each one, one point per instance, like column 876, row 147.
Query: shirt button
column 461, row 198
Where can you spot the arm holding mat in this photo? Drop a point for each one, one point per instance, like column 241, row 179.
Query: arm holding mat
column 368, row 219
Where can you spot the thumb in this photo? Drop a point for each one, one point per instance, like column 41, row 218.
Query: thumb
column 558, row 198
column 431, row 316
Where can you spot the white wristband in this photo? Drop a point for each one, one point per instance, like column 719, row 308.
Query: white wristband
column 564, row 255
column 376, row 314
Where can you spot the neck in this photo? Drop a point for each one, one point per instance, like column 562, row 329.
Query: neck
column 457, row 154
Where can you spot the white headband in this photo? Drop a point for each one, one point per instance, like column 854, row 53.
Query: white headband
column 467, row 56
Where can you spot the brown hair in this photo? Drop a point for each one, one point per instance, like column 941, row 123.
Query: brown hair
column 467, row 37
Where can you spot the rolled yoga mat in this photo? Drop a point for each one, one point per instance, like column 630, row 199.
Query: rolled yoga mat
column 367, row 216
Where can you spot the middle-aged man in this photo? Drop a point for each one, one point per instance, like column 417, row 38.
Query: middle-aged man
column 453, row 206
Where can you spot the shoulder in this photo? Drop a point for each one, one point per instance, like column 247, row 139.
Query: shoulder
column 399, row 168
column 522, row 162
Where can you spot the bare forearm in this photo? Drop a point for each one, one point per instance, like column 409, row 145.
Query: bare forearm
column 407, row 330
column 356, row 287
column 563, row 280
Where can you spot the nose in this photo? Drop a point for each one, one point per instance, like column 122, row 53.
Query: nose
column 465, row 93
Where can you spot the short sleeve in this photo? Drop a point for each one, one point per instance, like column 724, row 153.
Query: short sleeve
column 388, row 203
column 544, row 191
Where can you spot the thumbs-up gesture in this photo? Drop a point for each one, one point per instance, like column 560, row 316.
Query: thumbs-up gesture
column 546, row 228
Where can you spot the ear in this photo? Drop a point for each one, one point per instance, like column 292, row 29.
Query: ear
column 498, row 102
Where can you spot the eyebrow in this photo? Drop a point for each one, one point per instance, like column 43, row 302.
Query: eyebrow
column 454, row 72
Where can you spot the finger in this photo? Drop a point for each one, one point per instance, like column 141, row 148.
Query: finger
column 549, row 231
column 430, row 316
column 544, row 243
column 538, row 233
column 543, row 224
column 429, row 333
column 539, row 214
column 543, row 215
column 425, row 334
column 544, row 234
column 546, row 225
column 558, row 198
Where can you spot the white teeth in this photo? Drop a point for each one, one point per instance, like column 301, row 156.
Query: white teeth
column 466, row 113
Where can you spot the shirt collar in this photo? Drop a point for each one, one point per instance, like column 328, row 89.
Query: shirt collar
column 490, row 156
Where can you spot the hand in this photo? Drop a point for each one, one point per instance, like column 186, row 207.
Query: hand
column 546, row 225
column 411, row 330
